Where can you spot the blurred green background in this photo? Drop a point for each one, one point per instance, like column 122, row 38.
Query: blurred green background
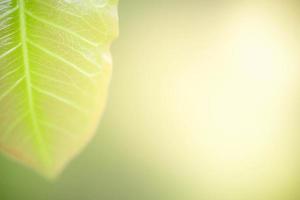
column 184, row 120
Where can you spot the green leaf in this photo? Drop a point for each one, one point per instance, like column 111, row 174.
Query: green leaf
column 55, row 68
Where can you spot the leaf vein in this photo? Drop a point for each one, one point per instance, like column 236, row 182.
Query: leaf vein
column 94, row 44
column 9, row 73
column 8, row 12
column 59, row 98
column 54, row 55
column 39, row 139
column 9, row 90
column 6, row 53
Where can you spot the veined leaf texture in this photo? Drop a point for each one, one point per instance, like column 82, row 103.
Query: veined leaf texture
column 55, row 68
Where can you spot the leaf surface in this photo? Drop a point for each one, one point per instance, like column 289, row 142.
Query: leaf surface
column 55, row 68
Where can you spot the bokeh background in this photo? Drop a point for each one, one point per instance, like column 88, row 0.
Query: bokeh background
column 203, row 105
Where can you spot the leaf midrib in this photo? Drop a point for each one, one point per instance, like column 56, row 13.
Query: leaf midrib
column 39, row 140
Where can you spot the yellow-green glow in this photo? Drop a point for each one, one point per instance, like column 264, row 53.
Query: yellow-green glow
column 217, row 98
